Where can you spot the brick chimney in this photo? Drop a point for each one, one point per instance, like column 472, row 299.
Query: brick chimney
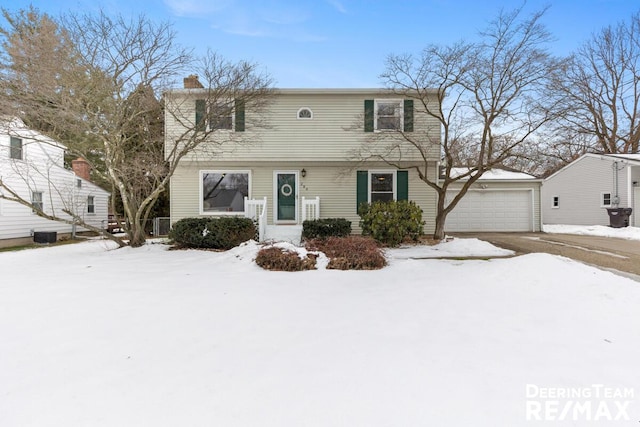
column 192, row 82
column 81, row 168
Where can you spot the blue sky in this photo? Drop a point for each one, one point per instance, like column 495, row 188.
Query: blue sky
column 341, row 43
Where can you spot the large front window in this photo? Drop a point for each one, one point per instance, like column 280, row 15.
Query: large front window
column 381, row 187
column 224, row 191
column 388, row 115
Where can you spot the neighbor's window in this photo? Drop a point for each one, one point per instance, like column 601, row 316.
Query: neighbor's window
column 381, row 187
column 36, row 200
column 79, row 183
column 91, row 206
column 606, row 199
column 556, row 202
column 224, row 191
column 388, row 114
column 15, row 148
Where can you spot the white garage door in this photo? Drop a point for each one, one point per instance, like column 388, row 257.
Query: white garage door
column 486, row 210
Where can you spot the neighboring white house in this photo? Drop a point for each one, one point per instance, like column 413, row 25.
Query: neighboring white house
column 499, row 200
column 32, row 166
column 581, row 192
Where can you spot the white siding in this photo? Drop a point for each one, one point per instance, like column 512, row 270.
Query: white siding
column 579, row 187
column 42, row 171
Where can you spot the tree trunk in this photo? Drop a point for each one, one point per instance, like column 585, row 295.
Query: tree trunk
column 137, row 235
column 438, row 233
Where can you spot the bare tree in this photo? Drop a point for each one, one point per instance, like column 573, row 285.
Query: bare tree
column 601, row 91
column 481, row 102
column 103, row 97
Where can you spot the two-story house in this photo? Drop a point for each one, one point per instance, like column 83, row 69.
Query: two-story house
column 304, row 163
column 32, row 166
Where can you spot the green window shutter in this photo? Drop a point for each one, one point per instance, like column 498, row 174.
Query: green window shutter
column 368, row 115
column 402, row 188
column 201, row 112
column 408, row 115
column 239, row 115
column 362, row 195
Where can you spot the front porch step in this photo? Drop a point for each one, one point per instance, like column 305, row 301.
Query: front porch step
column 284, row 233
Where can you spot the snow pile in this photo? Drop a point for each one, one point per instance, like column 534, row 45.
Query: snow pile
column 630, row 233
column 456, row 248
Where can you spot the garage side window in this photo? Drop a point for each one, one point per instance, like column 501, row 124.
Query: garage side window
column 556, row 202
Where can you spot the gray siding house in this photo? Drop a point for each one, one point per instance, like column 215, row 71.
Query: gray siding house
column 302, row 165
column 581, row 192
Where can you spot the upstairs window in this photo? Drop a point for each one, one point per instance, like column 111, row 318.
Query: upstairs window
column 382, row 115
column 388, row 115
column 220, row 115
column 15, row 149
column 91, row 206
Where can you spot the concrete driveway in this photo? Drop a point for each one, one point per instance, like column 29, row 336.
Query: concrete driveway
column 609, row 253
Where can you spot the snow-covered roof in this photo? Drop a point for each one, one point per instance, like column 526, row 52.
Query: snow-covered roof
column 634, row 157
column 495, row 175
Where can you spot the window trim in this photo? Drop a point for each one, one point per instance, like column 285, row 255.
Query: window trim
column 555, row 202
column 12, row 149
column 201, row 174
column 602, row 199
column 399, row 102
column 393, row 172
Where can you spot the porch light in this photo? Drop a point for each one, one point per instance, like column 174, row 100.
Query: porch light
column 303, row 172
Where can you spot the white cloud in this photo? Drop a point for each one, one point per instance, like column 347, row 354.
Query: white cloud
column 337, row 4
column 197, row 7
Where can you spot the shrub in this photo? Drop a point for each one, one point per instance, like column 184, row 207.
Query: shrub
column 326, row 227
column 282, row 260
column 391, row 222
column 350, row 253
column 212, row 233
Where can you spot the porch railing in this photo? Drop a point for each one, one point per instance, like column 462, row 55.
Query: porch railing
column 310, row 208
column 256, row 209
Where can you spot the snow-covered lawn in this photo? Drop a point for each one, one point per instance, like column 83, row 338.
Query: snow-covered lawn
column 151, row 337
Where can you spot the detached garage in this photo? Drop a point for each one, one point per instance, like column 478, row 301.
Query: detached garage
column 499, row 201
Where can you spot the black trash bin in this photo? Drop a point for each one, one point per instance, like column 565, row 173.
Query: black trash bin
column 619, row 217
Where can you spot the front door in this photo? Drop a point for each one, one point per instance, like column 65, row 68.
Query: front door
column 286, row 197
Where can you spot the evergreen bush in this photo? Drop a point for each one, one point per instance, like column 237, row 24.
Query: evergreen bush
column 213, row 233
column 390, row 223
column 325, row 227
